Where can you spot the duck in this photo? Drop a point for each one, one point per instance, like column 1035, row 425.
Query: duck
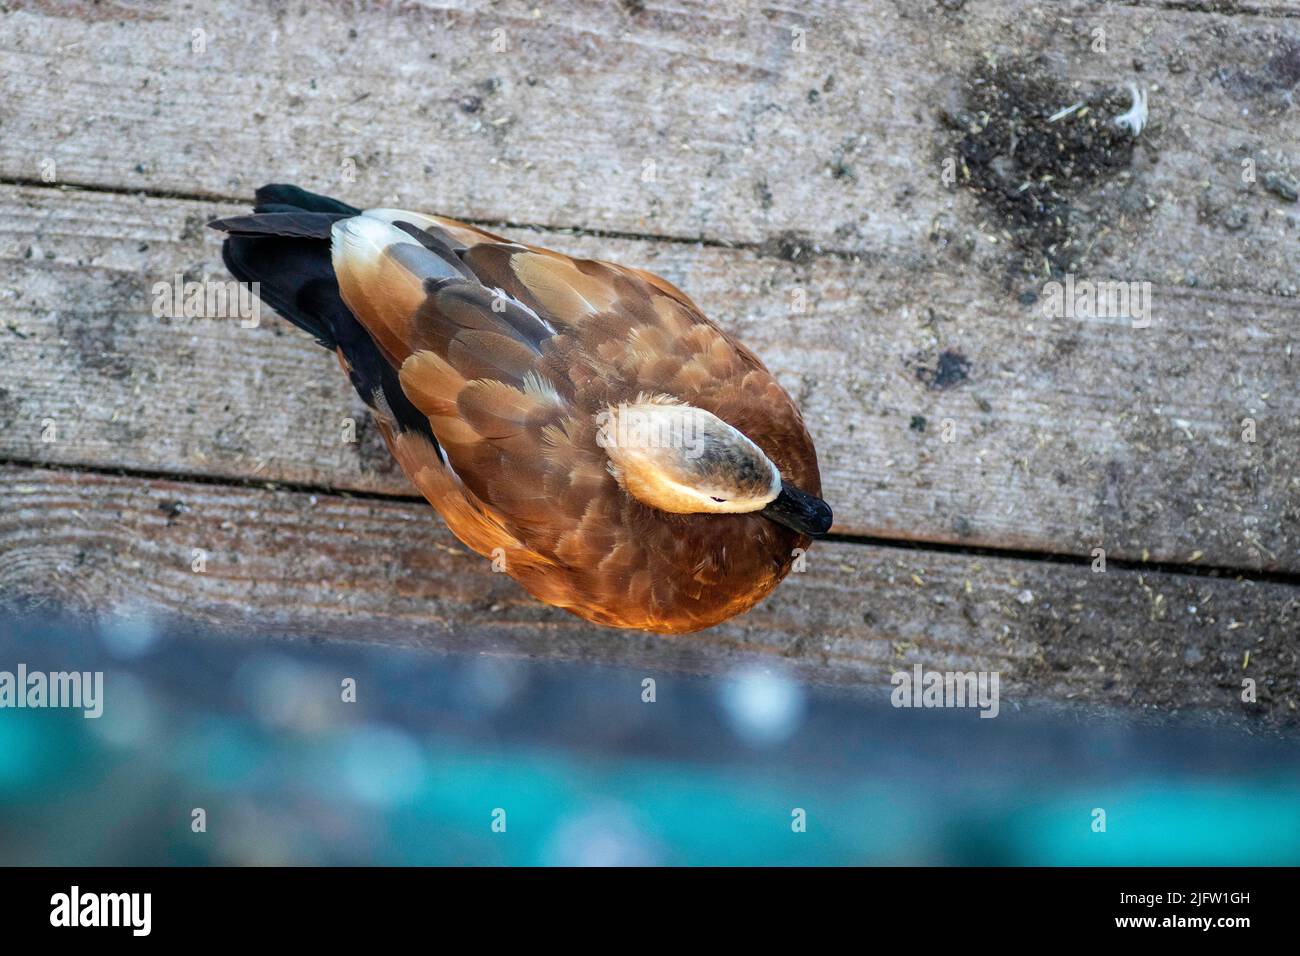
column 580, row 423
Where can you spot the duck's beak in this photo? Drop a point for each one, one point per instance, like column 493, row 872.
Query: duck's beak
column 799, row 511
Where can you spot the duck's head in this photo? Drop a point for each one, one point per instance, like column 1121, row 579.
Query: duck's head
column 685, row 460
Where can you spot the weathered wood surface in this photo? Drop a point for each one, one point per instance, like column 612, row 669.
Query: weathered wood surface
column 643, row 127
column 303, row 565
column 1093, row 438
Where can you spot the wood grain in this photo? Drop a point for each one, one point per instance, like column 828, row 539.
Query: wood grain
column 1067, row 435
column 293, row 564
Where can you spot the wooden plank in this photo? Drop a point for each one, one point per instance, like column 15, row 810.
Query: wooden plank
column 300, row 565
column 816, row 126
column 1073, row 436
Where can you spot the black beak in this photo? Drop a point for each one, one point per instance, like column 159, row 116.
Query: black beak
column 799, row 511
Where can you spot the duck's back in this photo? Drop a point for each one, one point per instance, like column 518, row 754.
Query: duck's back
column 509, row 354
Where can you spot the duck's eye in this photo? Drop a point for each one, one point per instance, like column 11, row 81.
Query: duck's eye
column 717, row 499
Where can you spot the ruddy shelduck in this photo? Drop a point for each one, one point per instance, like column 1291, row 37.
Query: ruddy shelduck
column 580, row 422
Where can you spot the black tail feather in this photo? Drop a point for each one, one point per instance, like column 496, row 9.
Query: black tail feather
column 285, row 248
column 294, row 276
column 289, row 198
column 305, row 225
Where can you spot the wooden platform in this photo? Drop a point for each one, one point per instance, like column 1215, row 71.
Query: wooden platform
column 786, row 165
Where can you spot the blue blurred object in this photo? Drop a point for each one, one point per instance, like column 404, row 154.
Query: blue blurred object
column 494, row 760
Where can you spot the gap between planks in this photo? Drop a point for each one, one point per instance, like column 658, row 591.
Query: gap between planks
column 1222, row 572
column 761, row 249
column 1213, row 7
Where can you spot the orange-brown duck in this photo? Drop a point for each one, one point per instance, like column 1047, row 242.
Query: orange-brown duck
column 579, row 421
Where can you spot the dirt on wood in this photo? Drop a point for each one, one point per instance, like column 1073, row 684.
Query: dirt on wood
column 1027, row 145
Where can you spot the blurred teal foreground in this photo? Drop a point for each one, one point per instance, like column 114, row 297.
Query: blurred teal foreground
column 495, row 761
